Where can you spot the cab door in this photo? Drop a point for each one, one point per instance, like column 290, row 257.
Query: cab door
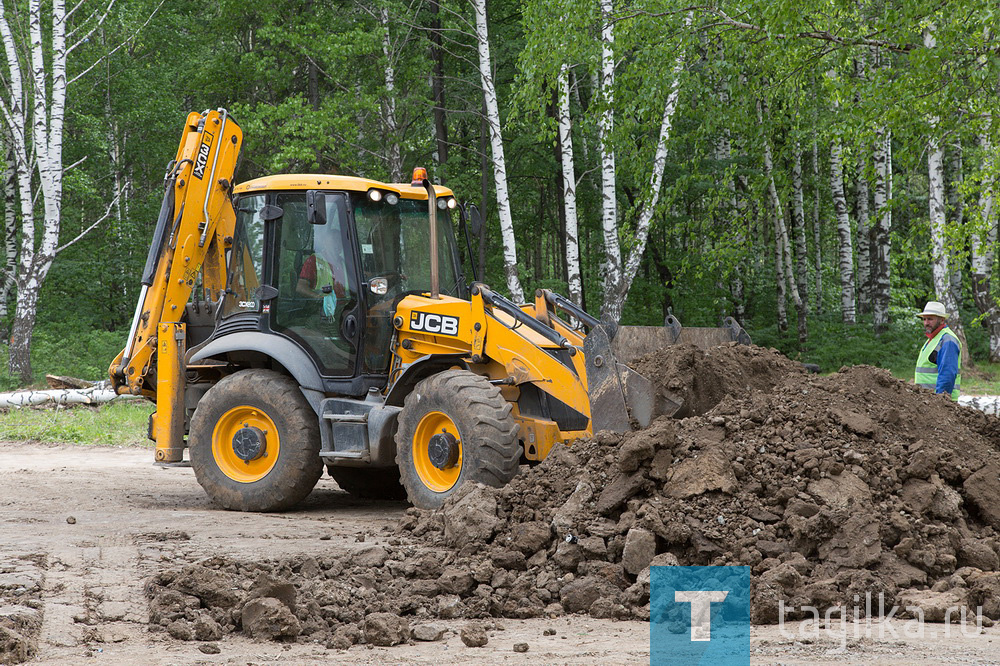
column 318, row 292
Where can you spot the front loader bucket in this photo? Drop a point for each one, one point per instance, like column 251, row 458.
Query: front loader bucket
column 630, row 343
column 619, row 394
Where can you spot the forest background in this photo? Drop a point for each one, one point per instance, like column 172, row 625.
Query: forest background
column 817, row 169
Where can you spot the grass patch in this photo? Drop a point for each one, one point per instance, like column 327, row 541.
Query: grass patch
column 981, row 379
column 831, row 345
column 119, row 423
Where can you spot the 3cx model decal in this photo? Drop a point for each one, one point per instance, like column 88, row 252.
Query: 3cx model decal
column 204, row 149
column 433, row 323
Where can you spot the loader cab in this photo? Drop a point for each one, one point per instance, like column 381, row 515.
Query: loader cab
column 323, row 260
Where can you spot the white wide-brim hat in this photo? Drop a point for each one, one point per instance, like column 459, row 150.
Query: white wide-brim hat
column 934, row 308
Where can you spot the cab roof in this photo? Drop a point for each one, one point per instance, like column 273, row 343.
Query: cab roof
column 408, row 191
column 315, row 181
column 311, row 181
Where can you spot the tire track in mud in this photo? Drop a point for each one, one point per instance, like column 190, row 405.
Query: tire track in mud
column 93, row 594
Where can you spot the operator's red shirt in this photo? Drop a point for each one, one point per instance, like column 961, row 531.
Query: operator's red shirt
column 308, row 273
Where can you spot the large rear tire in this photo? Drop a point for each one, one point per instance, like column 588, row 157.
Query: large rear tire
column 455, row 427
column 369, row 483
column 254, row 442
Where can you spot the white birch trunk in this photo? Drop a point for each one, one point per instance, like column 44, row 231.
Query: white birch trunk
column 609, row 195
column 956, row 217
column 816, row 228
column 863, row 235
column 940, row 247
column 880, row 249
column 983, row 252
column 395, row 161
column 846, row 247
column 784, row 271
column 779, row 276
column 497, row 151
column 723, row 153
column 863, row 230
column 569, row 190
column 799, row 227
column 939, row 243
column 10, row 223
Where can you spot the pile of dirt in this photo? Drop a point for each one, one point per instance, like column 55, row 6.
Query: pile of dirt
column 21, row 579
column 829, row 487
column 699, row 379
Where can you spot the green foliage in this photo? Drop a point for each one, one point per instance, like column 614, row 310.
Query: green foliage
column 832, row 345
column 65, row 348
column 119, row 423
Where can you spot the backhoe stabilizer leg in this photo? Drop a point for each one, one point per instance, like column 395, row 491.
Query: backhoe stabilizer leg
column 168, row 427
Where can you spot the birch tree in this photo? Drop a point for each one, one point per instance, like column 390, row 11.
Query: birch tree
column 940, row 249
column 618, row 279
column 799, row 228
column 863, row 238
column 983, row 243
column 609, row 195
column 784, row 269
column 569, row 189
column 33, row 109
column 861, row 207
column 845, row 246
column 880, row 234
column 37, row 81
column 9, row 223
column 394, row 158
column 497, row 152
column 955, row 213
column 816, row 228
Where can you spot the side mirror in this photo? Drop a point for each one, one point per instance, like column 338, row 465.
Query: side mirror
column 475, row 220
column 315, row 207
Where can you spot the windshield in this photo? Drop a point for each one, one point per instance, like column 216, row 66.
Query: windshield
column 395, row 243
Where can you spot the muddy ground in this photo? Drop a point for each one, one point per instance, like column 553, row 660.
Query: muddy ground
column 82, row 581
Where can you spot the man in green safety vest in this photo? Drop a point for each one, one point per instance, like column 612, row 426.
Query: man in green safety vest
column 939, row 365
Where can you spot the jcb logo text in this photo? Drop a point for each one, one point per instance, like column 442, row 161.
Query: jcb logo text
column 432, row 323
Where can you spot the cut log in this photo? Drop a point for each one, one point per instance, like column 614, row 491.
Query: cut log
column 86, row 396
column 62, row 382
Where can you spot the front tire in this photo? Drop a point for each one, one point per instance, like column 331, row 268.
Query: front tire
column 455, row 427
column 254, row 442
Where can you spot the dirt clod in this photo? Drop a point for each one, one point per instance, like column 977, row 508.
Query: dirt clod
column 268, row 618
column 474, row 635
column 386, row 629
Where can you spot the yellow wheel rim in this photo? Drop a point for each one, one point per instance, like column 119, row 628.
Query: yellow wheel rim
column 245, row 432
column 438, row 480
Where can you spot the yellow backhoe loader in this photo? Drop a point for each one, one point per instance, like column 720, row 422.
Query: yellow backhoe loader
column 297, row 322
